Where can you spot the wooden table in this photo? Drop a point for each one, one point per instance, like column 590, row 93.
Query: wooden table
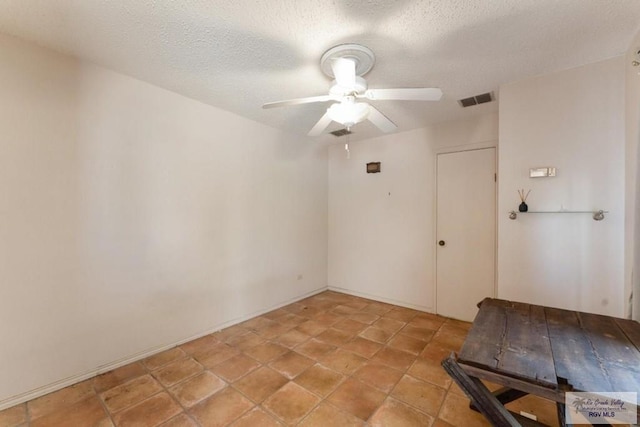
column 544, row 351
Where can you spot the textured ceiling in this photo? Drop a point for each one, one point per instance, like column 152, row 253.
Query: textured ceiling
column 237, row 55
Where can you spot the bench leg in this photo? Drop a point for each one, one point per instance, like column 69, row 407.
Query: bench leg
column 479, row 395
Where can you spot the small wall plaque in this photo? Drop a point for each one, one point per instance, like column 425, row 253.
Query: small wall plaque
column 542, row 172
column 373, row 167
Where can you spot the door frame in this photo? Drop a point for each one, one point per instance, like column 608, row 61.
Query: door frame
column 458, row 149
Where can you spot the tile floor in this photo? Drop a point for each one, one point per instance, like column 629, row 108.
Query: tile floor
column 329, row 360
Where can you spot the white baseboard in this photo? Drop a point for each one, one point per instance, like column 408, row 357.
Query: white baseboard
column 55, row 386
column 382, row 299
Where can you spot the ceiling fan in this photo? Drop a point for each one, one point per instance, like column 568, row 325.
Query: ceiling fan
column 347, row 63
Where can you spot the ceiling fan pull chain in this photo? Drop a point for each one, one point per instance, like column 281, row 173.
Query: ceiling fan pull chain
column 346, row 148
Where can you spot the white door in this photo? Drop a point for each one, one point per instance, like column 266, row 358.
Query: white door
column 466, row 231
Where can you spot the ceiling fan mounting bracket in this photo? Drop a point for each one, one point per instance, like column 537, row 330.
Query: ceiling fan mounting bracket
column 361, row 55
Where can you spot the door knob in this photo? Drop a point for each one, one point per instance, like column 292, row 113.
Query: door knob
column 441, row 243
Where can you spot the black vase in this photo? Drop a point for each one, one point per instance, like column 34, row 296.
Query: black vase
column 523, row 207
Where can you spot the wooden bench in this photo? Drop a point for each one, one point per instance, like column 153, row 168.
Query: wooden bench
column 543, row 351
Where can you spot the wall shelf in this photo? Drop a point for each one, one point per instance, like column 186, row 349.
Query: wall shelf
column 597, row 215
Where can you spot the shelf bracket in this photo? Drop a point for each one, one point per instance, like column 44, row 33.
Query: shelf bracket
column 597, row 215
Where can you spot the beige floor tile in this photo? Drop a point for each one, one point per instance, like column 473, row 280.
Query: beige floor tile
column 440, row 423
column 350, row 326
column 325, row 415
column 397, row 359
column 161, row 359
column 397, row 414
column 292, row 338
column 217, row 354
column 422, row 334
column 377, row 308
column 314, row 349
column 343, row 361
column 407, row 343
column 363, row 347
column 427, row 321
column 430, row 371
column 377, row 334
column 379, row 376
column 311, row 328
column 222, row 408
column 446, row 338
column 236, row 367
column 357, row 398
column 87, row 412
column 436, row 351
column 388, row 324
column 401, row 314
column 419, row 394
column 363, row 317
column 291, row 403
column 229, row 332
column 149, row 413
column 260, row 384
column 344, row 310
column 455, row 411
column 118, row 376
column 199, row 346
column 319, row 380
column 276, row 313
column 257, row 323
column 131, row 392
column 335, row 337
column 543, row 409
column 198, row 388
column 182, row 420
column 291, row 319
column 458, row 324
column 13, row 416
column 327, row 319
column 266, row 352
column 291, row 364
column 245, row 341
column 356, row 302
column 60, row 399
column 257, row 417
column 275, row 330
column 177, row 371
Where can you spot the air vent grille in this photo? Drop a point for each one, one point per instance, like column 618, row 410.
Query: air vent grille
column 341, row 132
column 475, row 100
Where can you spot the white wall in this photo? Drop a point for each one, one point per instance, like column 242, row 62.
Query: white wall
column 132, row 218
column 381, row 226
column 632, row 194
column 572, row 120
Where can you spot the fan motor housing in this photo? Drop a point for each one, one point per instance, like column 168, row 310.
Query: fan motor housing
column 359, row 87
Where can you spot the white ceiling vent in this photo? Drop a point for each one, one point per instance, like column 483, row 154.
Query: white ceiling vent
column 475, row 100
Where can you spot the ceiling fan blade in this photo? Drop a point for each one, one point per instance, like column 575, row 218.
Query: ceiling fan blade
column 380, row 120
column 344, row 70
column 405, row 94
column 322, row 98
column 321, row 125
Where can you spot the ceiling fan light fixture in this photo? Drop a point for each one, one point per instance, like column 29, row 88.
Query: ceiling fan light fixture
column 348, row 114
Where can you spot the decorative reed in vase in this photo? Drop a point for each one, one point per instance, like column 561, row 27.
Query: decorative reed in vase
column 523, row 198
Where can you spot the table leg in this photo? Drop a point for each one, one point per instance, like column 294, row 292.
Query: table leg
column 479, row 395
